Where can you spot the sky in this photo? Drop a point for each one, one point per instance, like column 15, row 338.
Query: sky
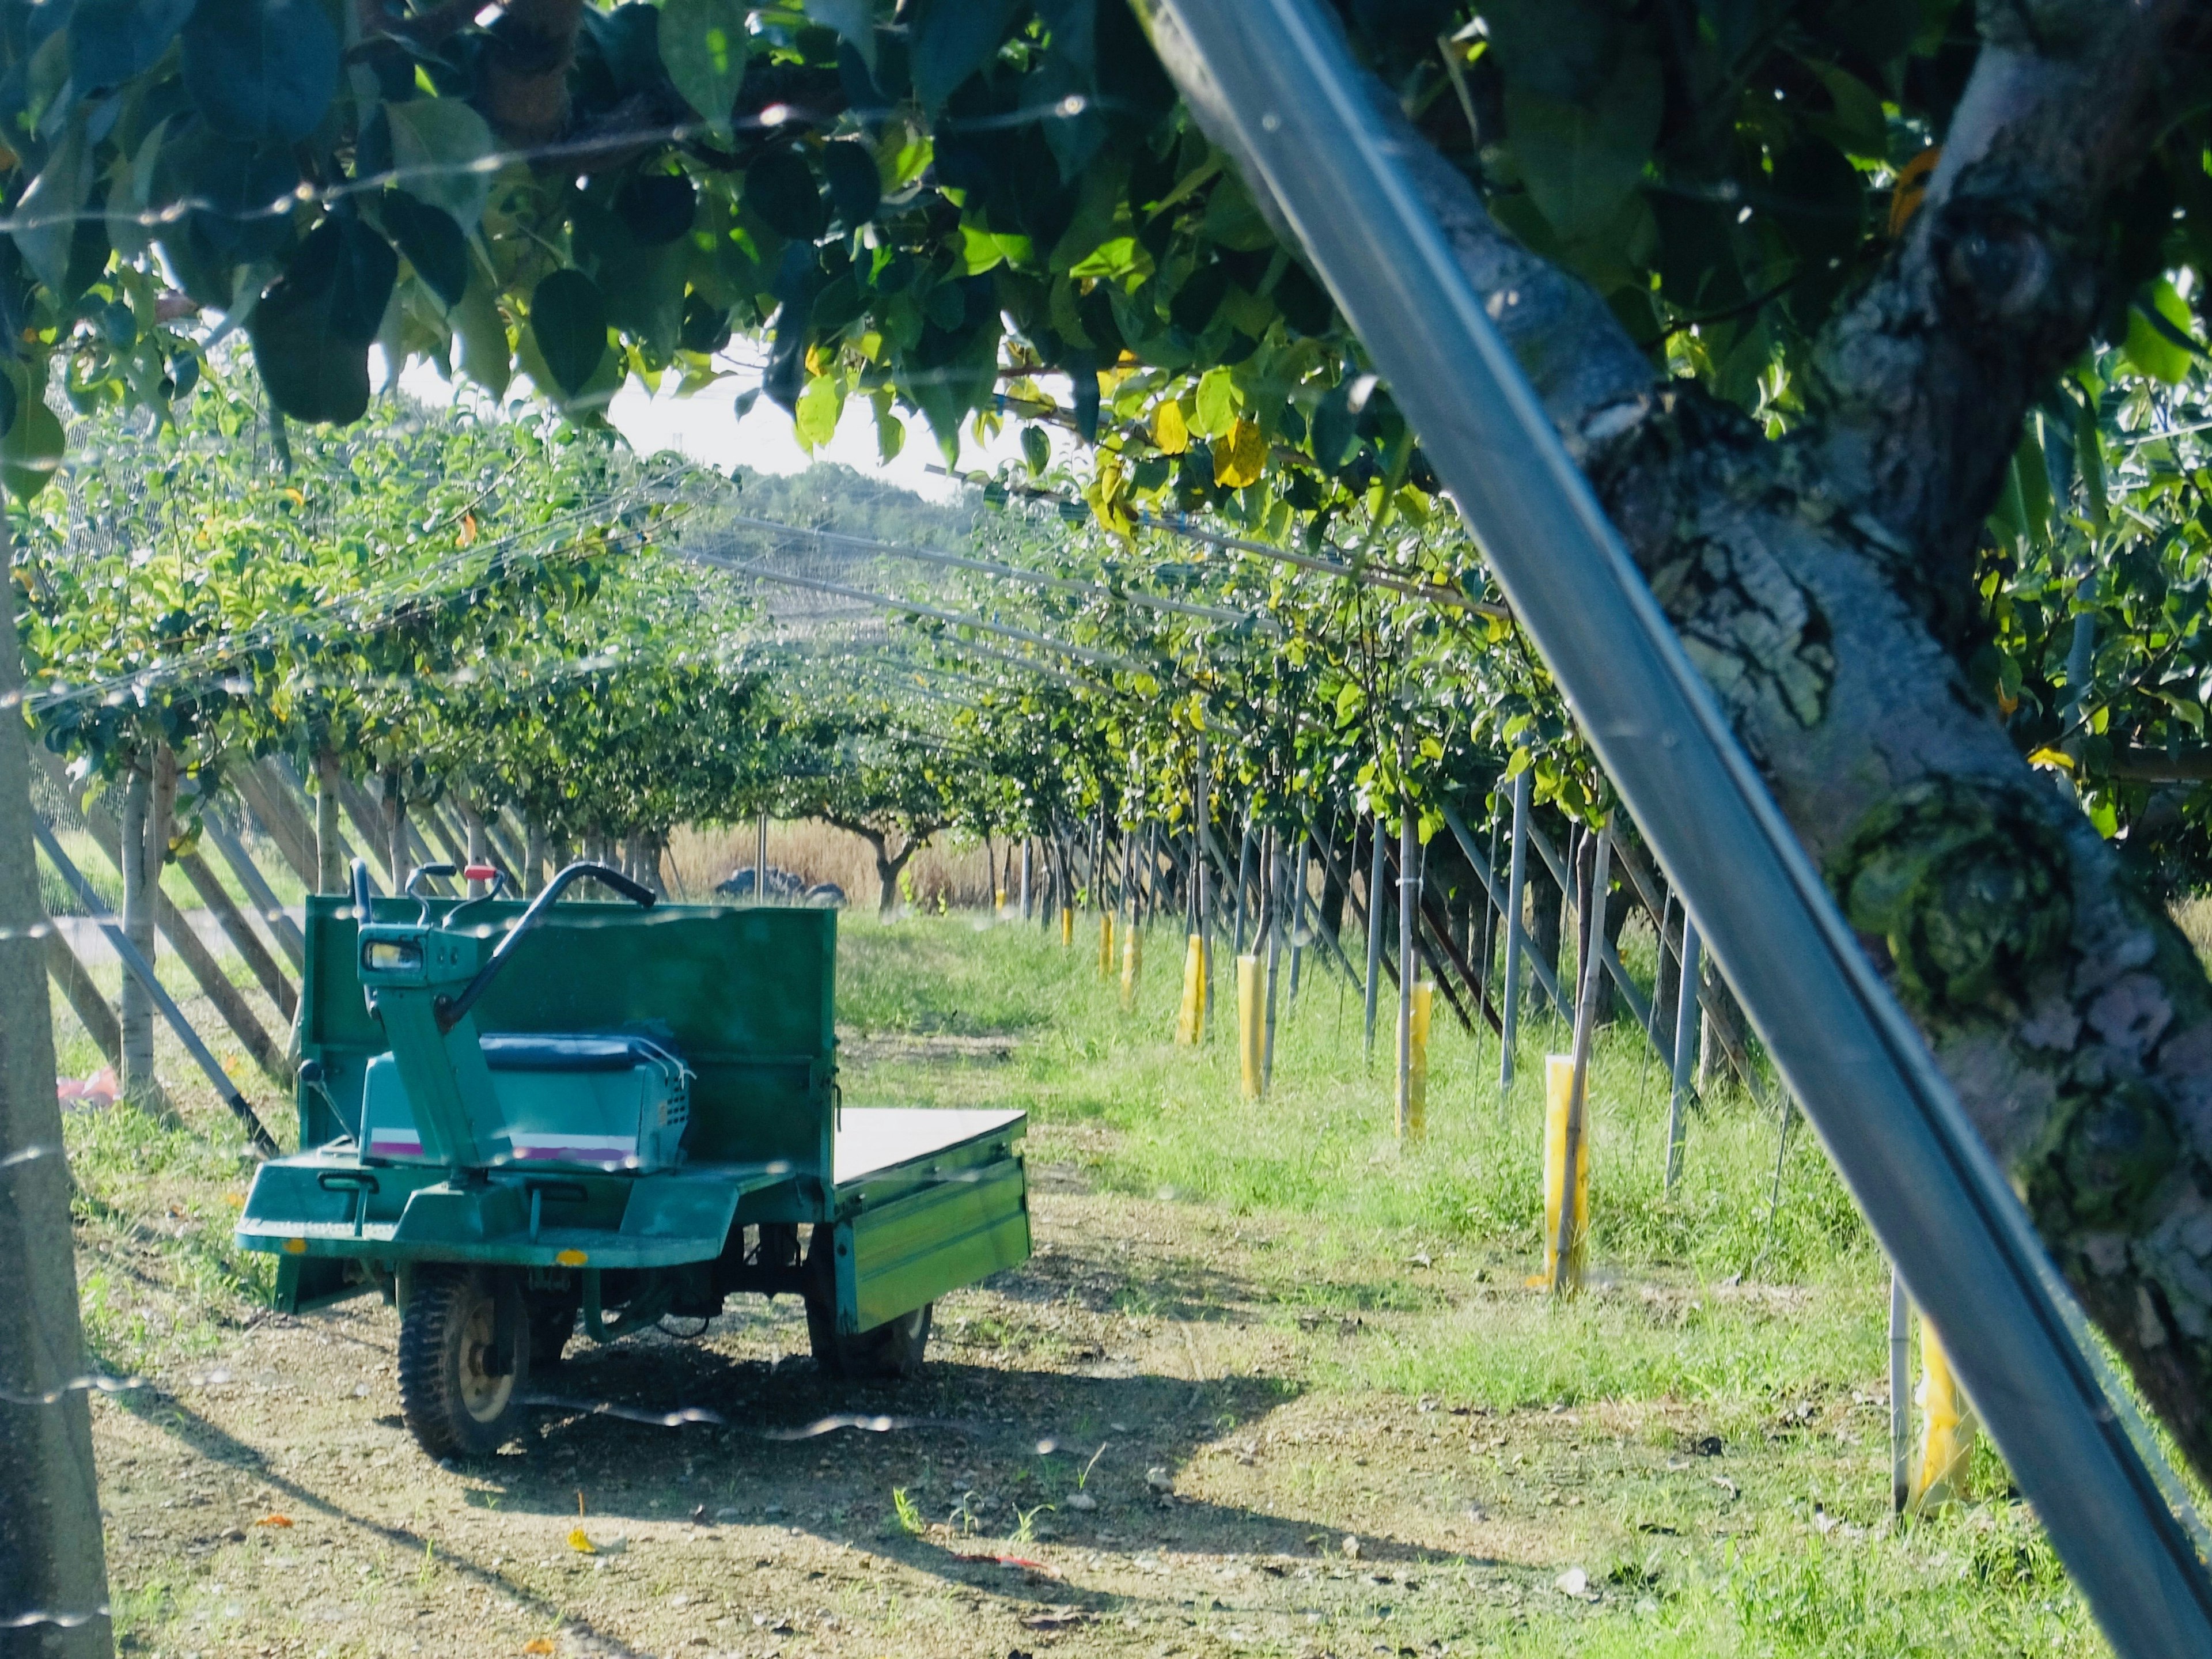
column 705, row 428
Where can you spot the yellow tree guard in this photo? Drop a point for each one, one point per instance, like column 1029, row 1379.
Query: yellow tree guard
column 1105, row 945
column 1133, row 963
column 1940, row 1473
column 1066, row 928
column 1191, row 1021
column 1415, row 1123
column 1251, row 1017
column 1559, row 1101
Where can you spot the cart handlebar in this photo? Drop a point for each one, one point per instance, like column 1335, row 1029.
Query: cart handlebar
column 451, row 1010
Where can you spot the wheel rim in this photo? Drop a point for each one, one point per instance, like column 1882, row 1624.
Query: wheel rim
column 483, row 1395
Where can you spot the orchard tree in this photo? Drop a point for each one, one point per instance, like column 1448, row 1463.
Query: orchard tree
column 1792, row 278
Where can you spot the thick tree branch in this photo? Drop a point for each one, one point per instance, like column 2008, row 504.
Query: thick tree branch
column 1821, row 585
column 1918, row 390
column 526, row 70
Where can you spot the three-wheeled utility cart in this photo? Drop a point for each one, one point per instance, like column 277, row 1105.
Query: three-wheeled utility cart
column 521, row 1119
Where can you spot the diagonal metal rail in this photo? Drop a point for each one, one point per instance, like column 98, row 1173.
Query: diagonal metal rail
column 1929, row 1187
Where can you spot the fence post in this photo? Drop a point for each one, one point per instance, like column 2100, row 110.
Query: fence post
column 1566, row 1220
column 1409, row 904
column 1250, row 1062
column 1374, row 932
column 1575, row 1157
column 1947, row 1429
column 1516, row 888
column 1270, row 937
column 1191, row 1022
column 1900, row 1382
column 1414, row 1123
column 1685, row 1047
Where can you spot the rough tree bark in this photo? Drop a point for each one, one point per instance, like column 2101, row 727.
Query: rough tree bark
column 138, row 1080
column 1823, row 584
column 330, row 839
column 51, row 1555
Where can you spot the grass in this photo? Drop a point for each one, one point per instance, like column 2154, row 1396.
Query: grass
column 1708, row 1314
column 1706, row 1306
column 1322, row 1144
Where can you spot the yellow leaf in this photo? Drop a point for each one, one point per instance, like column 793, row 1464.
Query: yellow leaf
column 1240, row 461
column 2055, row 757
column 580, row 1543
column 1912, row 188
column 274, row 1521
column 1170, row 431
column 537, row 1645
column 468, row 528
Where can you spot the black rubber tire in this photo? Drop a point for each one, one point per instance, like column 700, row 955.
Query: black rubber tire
column 552, row 1322
column 452, row 1402
column 895, row 1348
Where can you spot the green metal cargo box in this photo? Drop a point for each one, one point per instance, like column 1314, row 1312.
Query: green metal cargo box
column 644, row 1120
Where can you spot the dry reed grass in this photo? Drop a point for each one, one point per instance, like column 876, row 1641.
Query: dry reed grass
column 953, row 874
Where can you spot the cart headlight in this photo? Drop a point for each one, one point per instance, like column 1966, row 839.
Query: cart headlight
column 390, row 956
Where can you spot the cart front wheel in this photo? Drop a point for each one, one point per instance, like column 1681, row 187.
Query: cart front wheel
column 464, row 1357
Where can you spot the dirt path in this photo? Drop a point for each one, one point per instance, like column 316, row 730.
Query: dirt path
column 1142, row 1442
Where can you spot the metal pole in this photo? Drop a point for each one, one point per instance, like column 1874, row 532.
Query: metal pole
column 1374, row 931
column 1517, row 889
column 1409, row 905
column 1901, row 1381
column 760, row 859
column 1205, row 921
column 1685, row 1049
column 1929, row 1189
column 143, row 972
column 1578, row 1091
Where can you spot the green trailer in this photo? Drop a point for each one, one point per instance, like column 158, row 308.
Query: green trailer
column 517, row 1122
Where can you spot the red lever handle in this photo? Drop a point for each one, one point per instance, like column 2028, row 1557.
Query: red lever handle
column 480, row 873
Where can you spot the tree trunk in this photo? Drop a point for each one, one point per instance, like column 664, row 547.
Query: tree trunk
column 51, row 1554
column 534, row 859
column 138, row 1008
column 330, row 840
column 478, row 848
column 1825, row 586
column 396, row 857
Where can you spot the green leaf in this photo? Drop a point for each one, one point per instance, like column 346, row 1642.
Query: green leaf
column 2158, row 339
column 819, row 408
column 951, row 41
column 486, row 357
column 432, row 243
column 657, row 208
column 312, row 329
column 47, row 213
column 569, row 322
column 1580, row 162
column 1215, row 404
column 854, row 21
column 856, row 189
column 261, row 68
column 704, row 45
column 781, row 193
column 1037, row 449
column 442, row 151
column 31, row 452
column 112, row 41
